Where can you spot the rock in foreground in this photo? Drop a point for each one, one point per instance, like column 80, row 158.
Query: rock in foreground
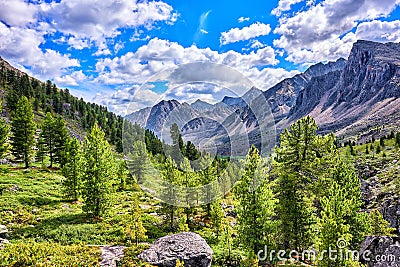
column 188, row 247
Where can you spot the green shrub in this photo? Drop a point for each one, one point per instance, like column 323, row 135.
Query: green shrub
column 29, row 253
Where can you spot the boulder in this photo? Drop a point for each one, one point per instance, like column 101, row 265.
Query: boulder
column 3, row 231
column 188, row 247
column 3, row 242
column 380, row 251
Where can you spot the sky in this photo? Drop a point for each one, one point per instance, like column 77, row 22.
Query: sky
column 109, row 51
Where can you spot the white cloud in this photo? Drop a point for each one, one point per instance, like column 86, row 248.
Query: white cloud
column 381, row 31
column 323, row 32
column 243, row 19
column 284, row 5
column 158, row 55
column 203, row 31
column 246, row 33
column 96, row 19
column 70, row 79
column 77, row 44
column 22, row 47
column 17, row 12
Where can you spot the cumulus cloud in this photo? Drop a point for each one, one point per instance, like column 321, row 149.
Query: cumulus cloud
column 70, row 79
column 381, row 31
column 245, row 33
column 323, row 32
column 96, row 19
column 284, row 5
column 21, row 46
column 18, row 12
column 159, row 55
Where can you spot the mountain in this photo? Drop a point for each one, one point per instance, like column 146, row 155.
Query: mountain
column 201, row 105
column 354, row 98
column 362, row 97
column 239, row 102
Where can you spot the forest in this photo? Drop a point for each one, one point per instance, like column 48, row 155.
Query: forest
column 70, row 181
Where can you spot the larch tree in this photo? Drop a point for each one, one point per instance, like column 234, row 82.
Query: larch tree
column 60, row 139
column 72, row 169
column 4, row 132
column 23, row 131
column 98, row 171
column 135, row 228
column 256, row 226
column 169, row 192
column 138, row 160
column 48, row 136
column 301, row 161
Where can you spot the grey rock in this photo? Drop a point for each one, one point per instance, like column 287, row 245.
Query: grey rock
column 380, row 251
column 111, row 255
column 189, row 247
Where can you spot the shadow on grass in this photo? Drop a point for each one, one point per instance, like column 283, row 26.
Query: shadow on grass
column 37, row 200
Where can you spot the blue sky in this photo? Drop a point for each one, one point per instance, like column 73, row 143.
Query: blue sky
column 105, row 50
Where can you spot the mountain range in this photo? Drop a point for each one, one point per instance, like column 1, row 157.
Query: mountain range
column 355, row 98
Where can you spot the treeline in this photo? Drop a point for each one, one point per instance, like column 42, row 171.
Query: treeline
column 46, row 97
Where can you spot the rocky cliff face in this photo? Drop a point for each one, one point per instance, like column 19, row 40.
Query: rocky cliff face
column 365, row 94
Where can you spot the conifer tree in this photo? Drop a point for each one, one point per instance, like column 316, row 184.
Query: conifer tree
column 23, row 131
column 256, row 226
column 72, row 169
column 177, row 147
column 169, row 193
column 379, row 226
column 98, row 171
column 301, row 158
column 189, row 181
column 138, row 161
column 48, row 136
column 41, row 150
column 60, row 139
column 4, row 132
column 135, row 228
column 208, row 173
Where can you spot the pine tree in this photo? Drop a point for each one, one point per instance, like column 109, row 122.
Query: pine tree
column 135, row 228
column 216, row 217
column 138, row 161
column 208, row 174
column 189, row 181
column 301, row 160
column 333, row 228
column 41, row 150
column 4, row 131
column 256, row 227
column 60, row 139
column 48, row 136
column 23, row 131
column 72, row 169
column 177, row 147
column 98, row 170
column 169, row 193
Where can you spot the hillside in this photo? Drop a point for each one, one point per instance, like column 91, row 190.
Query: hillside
column 46, row 97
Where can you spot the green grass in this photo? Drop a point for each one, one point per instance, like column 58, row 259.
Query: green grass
column 38, row 214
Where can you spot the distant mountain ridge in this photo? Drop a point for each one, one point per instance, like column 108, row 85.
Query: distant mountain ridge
column 351, row 98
